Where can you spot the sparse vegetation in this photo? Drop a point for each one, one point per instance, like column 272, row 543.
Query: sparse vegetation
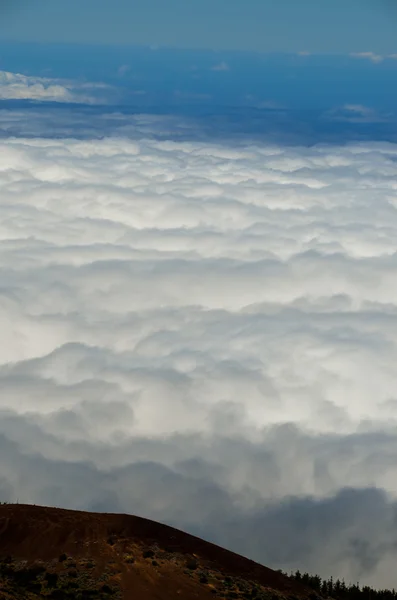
column 129, row 559
column 51, row 579
column 21, row 582
column 98, row 566
column 192, row 564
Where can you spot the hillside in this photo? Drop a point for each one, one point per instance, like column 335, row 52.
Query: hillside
column 62, row 554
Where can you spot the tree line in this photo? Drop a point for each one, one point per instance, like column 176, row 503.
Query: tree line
column 340, row 590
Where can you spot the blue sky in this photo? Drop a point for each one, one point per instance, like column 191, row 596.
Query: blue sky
column 323, row 26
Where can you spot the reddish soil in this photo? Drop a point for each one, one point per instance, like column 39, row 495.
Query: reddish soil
column 178, row 565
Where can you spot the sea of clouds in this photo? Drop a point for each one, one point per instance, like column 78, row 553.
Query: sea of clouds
column 205, row 334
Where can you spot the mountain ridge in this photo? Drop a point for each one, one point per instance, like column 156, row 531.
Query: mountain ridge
column 55, row 553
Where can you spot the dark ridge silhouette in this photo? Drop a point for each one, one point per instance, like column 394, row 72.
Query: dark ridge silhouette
column 339, row 590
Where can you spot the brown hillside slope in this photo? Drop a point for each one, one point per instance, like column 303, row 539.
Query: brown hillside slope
column 62, row 554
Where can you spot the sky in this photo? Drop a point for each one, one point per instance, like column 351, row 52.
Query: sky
column 197, row 271
column 319, row 26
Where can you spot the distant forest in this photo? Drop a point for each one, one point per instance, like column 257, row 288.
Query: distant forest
column 340, row 590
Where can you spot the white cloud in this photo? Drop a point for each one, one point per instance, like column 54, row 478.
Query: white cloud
column 187, row 321
column 373, row 57
column 358, row 113
column 222, row 66
column 123, row 70
column 15, row 86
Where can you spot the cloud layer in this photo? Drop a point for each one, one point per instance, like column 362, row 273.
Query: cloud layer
column 206, row 334
column 15, row 86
